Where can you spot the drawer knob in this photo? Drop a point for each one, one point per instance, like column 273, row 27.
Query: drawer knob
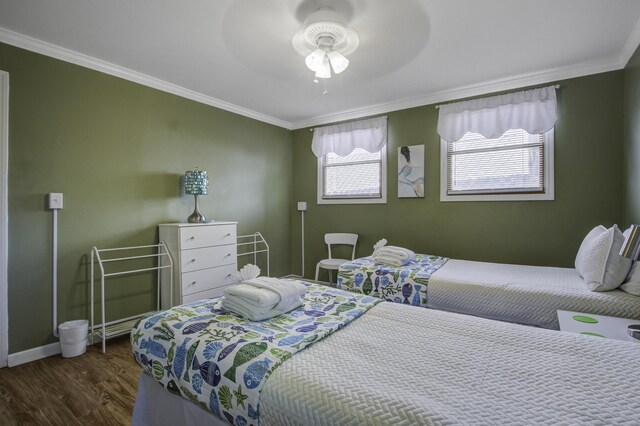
column 193, row 260
column 228, row 234
column 228, row 255
column 193, row 283
column 192, row 237
column 228, row 276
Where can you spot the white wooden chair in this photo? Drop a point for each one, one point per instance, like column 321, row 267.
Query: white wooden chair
column 332, row 264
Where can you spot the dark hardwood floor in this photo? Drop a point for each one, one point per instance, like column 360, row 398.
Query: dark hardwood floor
column 94, row 388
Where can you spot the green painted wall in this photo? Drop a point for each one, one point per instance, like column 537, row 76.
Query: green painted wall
column 631, row 166
column 117, row 150
column 588, row 158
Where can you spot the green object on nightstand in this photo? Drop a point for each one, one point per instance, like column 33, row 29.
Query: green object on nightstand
column 588, row 320
column 586, row 333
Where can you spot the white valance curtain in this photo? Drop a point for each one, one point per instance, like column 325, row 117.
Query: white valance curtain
column 532, row 110
column 370, row 135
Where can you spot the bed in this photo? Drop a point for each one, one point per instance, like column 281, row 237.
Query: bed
column 522, row 294
column 387, row 364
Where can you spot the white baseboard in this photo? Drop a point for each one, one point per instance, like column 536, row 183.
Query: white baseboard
column 41, row 352
column 34, row 354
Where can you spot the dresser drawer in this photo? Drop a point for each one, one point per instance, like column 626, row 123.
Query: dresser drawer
column 214, row 292
column 208, row 257
column 204, row 236
column 206, row 279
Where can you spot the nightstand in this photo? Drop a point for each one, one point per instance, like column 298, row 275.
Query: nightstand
column 204, row 260
column 596, row 325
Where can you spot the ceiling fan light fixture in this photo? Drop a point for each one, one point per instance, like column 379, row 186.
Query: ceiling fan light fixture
column 315, row 59
column 338, row 62
column 324, row 41
column 324, row 71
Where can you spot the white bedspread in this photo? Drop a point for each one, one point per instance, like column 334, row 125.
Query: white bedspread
column 400, row 365
column 523, row 294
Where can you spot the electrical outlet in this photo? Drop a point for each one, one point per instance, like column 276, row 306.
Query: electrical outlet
column 302, row 206
column 55, row 200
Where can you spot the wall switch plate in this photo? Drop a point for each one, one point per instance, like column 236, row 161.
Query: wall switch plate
column 302, row 206
column 55, row 200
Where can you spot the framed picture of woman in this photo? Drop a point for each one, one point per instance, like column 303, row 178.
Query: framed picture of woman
column 411, row 171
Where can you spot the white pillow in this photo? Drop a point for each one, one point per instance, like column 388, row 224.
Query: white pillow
column 632, row 283
column 603, row 267
column 579, row 263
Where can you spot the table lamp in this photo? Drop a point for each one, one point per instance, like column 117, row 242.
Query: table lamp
column 196, row 183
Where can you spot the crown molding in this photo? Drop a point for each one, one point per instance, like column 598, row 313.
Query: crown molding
column 38, row 46
column 511, row 83
column 630, row 46
column 524, row 80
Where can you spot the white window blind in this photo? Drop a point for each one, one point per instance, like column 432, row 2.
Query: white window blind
column 512, row 163
column 352, row 162
column 356, row 175
column 499, row 148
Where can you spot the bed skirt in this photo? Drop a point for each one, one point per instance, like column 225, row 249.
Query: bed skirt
column 157, row 407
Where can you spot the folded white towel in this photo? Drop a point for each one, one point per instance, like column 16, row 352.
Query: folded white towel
column 263, row 297
column 260, row 297
column 393, row 256
column 289, row 291
column 252, row 313
column 390, row 260
column 399, row 252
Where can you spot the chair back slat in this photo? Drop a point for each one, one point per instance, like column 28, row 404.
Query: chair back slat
column 341, row 239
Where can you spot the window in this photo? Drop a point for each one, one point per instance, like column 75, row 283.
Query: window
column 515, row 166
column 359, row 177
column 352, row 162
column 498, row 148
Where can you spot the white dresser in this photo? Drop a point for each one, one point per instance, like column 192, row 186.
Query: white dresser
column 204, row 259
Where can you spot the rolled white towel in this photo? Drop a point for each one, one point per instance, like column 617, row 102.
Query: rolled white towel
column 260, row 297
column 253, row 313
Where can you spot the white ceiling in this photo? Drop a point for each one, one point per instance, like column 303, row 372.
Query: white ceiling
column 237, row 54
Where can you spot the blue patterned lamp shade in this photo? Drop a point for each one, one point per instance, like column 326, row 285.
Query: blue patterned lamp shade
column 196, row 182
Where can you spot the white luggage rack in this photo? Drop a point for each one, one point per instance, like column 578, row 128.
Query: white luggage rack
column 106, row 330
column 259, row 246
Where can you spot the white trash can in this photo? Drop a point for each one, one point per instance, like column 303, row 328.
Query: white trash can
column 73, row 337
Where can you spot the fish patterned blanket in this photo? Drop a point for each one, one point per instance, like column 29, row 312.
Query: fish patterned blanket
column 404, row 284
column 220, row 360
